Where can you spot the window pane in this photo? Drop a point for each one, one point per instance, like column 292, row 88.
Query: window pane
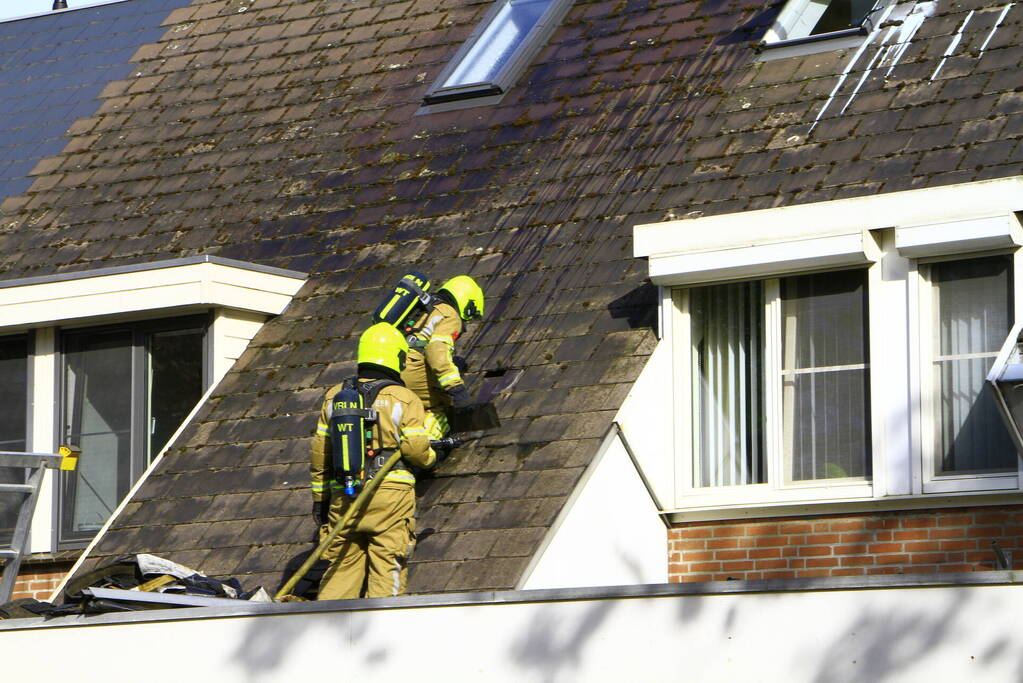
column 727, row 336
column 97, row 416
column 841, row 15
column 14, row 380
column 803, row 18
column 176, row 382
column 826, row 430
column 498, row 42
column 972, row 303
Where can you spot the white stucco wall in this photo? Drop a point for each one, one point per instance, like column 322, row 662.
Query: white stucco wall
column 951, row 633
column 610, row 532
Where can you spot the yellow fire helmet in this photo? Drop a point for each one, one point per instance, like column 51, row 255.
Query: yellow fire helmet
column 467, row 295
column 383, row 345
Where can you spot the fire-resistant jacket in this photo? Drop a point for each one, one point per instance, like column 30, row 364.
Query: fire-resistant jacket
column 399, row 425
column 432, row 372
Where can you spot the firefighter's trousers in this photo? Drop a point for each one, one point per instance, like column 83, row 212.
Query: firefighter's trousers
column 371, row 560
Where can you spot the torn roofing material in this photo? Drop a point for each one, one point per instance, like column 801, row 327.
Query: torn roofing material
column 286, row 134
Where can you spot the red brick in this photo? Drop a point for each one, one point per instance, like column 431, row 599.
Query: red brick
column 991, row 518
column 857, row 549
column 696, row 532
column 816, row 539
column 963, row 519
column 848, row 525
column 706, row 566
column 814, row 551
column 731, row 554
column 737, row 566
column 946, row 533
column 761, row 529
column 959, row 545
column 921, row 558
column 696, row 577
column 856, row 561
column 848, row 571
column 723, row 543
column 918, row 522
column 780, row 575
column 892, row 559
column 699, row 556
column 691, row 545
column 984, row 532
column 771, row 564
column 922, row 546
column 915, row 535
column 796, row 528
column 764, row 553
column 767, row 541
column 729, row 531
column 822, row 562
column 813, row 573
column 884, row 548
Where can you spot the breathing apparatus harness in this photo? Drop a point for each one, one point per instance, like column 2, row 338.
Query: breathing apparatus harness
column 406, row 306
column 352, row 420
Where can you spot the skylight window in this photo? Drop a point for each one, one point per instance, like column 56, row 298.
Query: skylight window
column 498, row 50
column 812, row 19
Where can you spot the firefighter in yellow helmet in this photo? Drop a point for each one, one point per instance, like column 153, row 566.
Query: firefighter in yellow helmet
column 431, row 371
column 369, row 559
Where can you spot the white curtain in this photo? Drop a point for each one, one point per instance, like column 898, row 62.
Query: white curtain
column 727, row 342
column 972, row 310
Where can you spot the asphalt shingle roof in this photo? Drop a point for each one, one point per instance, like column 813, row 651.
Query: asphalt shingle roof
column 286, row 133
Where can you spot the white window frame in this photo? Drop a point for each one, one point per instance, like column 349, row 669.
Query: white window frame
column 921, row 296
column 239, row 297
column 778, row 487
column 909, row 229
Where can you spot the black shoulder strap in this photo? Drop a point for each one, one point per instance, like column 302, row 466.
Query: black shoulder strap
column 369, row 390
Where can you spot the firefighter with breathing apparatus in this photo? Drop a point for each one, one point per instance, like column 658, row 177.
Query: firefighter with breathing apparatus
column 431, row 371
column 362, row 422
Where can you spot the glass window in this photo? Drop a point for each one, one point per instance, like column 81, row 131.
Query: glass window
column 812, row 330
column 489, row 62
column 498, row 42
column 806, row 18
column 13, row 425
column 727, row 335
column 972, row 312
column 126, row 390
column 826, row 426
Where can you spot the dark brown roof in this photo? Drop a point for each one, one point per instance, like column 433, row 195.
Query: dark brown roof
column 286, row 133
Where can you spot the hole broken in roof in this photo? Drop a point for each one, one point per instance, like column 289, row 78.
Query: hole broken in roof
column 497, row 382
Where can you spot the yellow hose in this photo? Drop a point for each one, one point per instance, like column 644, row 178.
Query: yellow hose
column 356, row 507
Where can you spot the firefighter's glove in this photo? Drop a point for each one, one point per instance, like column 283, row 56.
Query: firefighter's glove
column 461, row 364
column 320, row 512
column 460, row 397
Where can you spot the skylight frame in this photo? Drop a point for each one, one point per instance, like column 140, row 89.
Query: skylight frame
column 507, row 74
column 794, row 10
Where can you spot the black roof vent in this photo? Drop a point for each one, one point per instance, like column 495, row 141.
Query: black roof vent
column 59, row 4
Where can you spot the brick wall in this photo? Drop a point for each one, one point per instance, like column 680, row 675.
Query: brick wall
column 38, row 580
column 907, row 542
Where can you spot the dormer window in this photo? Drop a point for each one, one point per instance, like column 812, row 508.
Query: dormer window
column 493, row 57
column 819, row 19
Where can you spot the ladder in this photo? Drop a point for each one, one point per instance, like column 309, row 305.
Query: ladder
column 35, row 465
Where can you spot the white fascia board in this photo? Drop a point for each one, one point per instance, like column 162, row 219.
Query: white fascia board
column 982, row 233
column 841, row 216
column 205, row 282
column 763, row 260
